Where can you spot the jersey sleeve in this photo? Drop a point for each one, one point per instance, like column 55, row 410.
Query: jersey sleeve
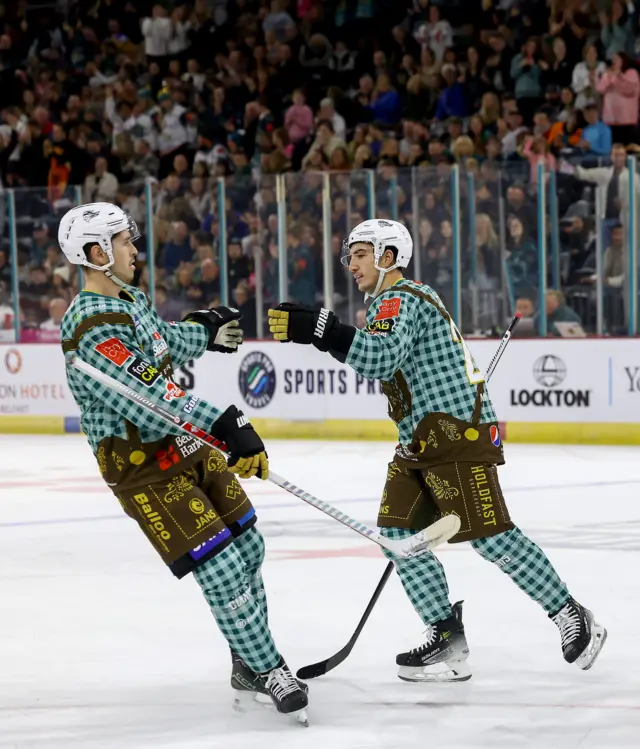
column 381, row 348
column 113, row 350
column 186, row 340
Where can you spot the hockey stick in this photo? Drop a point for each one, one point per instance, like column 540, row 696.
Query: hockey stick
column 322, row 667
column 436, row 534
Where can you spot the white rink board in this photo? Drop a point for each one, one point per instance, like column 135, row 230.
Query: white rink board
column 552, row 380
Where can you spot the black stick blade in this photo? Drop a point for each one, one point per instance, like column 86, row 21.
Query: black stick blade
column 321, row 668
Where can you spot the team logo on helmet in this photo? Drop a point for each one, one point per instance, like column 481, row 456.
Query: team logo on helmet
column 384, row 223
column 90, row 215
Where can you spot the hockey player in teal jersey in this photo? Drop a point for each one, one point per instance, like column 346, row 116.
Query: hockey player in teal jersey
column 184, row 497
column 449, row 447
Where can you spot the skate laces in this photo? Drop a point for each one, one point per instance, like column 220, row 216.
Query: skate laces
column 280, row 682
column 430, row 634
column 568, row 621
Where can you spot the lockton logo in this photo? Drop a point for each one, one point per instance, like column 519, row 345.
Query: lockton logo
column 549, row 371
column 257, row 379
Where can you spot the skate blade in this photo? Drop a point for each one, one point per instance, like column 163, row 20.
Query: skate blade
column 455, row 671
column 592, row 651
column 244, row 701
column 300, row 717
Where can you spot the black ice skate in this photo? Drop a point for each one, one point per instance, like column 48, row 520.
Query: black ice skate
column 286, row 692
column 250, row 688
column 443, row 657
column 247, row 686
column 581, row 636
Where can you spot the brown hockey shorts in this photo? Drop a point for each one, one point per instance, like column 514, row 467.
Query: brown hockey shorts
column 181, row 495
column 449, row 468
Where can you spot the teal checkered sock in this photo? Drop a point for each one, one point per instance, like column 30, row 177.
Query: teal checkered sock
column 527, row 565
column 241, row 617
column 423, row 580
column 251, row 546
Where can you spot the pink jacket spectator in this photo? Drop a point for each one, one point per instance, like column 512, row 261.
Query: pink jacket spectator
column 620, row 96
column 298, row 121
column 548, row 159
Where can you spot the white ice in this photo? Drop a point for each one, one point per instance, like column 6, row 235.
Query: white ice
column 100, row 647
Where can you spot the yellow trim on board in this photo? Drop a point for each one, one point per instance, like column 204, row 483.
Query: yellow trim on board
column 32, row 425
column 383, row 430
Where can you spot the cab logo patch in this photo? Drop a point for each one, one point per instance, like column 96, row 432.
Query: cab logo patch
column 172, row 392
column 160, row 346
column 380, row 327
column 388, row 308
column 114, row 350
column 144, row 372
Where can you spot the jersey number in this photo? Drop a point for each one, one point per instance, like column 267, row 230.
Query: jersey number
column 474, row 375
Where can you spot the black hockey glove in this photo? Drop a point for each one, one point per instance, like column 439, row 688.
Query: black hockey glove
column 225, row 333
column 293, row 322
column 247, row 455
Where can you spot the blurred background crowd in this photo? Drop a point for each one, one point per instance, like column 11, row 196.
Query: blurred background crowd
column 246, row 137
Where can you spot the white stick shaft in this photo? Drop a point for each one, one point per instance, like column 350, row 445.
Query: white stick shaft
column 210, row 441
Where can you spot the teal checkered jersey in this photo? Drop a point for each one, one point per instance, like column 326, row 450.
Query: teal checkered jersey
column 407, row 340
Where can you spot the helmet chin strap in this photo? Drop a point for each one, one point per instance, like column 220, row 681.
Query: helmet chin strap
column 382, row 272
column 115, row 279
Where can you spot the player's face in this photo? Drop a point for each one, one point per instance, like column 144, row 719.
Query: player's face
column 362, row 266
column 124, row 255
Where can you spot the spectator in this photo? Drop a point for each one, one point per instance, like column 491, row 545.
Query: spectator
column 157, row 32
column 617, row 31
column 620, row 89
column 386, row 105
column 101, row 185
column 361, row 317
column 209, row 283
column 596, row 136
column 246, row 305
column 328, row 113
column 558, row 311
column 452, row 101
column 526, row 71
column 522, row 265
column 525, row 307
column 613, row 271
column 437, row 34
column 298, row 119
column 178, row 249
column 239, row 265
column 302, row 279
column 325, row 143
column 585, row 76
column 57, row 308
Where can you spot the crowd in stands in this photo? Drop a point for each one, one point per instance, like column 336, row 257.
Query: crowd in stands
column 128, row 101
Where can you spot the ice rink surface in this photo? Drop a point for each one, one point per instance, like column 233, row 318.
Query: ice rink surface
column 101, row 647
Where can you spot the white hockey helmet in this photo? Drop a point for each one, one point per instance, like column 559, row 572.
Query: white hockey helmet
column 93, row 223
column 381, row 234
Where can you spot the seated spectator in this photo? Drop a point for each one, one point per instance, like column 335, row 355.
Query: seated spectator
column 558, row 311
column 326, row 142
column 57, row 308
column 178, row 249
column 525, row 307
column 327, row 112
column 452, row 101
column 386, row 105
column 209, row 281
column 246, row 304
column 522, row 259
column 238, row 265
column 596, row 136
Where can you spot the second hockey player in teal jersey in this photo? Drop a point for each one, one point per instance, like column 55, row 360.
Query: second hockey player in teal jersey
column 448, row 452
